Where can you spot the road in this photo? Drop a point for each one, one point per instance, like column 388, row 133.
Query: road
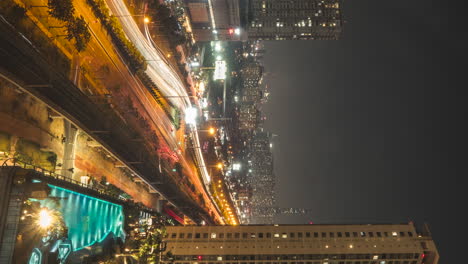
column 158, row 70
column 158, row 67
column 29, row 70
column 169, row 83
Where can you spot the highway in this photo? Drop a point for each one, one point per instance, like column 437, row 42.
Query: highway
column 158, row 70
column 25, row 67
column 167, row 80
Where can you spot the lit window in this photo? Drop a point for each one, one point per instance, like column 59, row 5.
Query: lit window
column 284, row 235
column 376, row 257
column 394, row 234
column 220, row 258
column 213, row 235
column 276, row 235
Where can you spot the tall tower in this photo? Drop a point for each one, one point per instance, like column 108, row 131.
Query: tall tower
column 293, row 19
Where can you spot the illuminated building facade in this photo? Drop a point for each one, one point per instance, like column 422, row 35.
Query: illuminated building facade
column 249, row 116
column 261, row 179
column 251, row 74
column 301, row 244
column 89, row 221
column 265, row 19
column 298, row 19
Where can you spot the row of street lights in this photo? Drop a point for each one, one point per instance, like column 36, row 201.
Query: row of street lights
column 225, row 204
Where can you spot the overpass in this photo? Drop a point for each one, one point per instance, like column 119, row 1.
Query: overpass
column 25, row 67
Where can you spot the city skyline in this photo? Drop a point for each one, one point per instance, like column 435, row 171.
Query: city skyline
column 295, row 129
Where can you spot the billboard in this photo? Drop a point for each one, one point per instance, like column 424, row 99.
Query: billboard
column 220, row 70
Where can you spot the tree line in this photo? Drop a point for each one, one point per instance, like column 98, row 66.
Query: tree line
column 76, row 27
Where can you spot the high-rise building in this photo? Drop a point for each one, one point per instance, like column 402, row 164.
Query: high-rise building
column 261, row 179
column 252, row 74
column 249, row 116
column 298, row 19
column 301, row 244
column 265, row 19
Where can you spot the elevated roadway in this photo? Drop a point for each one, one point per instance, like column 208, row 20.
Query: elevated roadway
column 24, row 66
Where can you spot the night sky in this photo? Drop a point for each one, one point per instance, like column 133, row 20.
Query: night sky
column 370, row 127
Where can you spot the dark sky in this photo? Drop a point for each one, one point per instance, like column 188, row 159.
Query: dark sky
column 371, row 126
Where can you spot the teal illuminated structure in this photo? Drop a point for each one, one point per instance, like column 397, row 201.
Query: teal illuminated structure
column 89, row 220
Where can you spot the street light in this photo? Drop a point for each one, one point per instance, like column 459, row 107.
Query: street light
column 211, row 130
column 45, row 219
column 219, row 166
column 146, row 20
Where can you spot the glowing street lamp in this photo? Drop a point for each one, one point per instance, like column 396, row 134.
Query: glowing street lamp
column 45, row 219
column 146, row 20
column 211, row 130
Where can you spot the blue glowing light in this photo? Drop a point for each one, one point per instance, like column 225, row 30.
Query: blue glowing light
column 88, row 219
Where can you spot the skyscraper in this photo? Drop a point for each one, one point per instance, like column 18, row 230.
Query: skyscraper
column 262, row 179
column 265, row 19
column 298, row 19
column 301, row 244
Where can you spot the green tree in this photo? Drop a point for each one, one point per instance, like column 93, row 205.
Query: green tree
column 78, row 29
column 150, row 245
column 61, row 9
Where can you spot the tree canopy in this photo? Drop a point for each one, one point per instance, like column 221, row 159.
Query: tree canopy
column 78, row 29
column 61, row 9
